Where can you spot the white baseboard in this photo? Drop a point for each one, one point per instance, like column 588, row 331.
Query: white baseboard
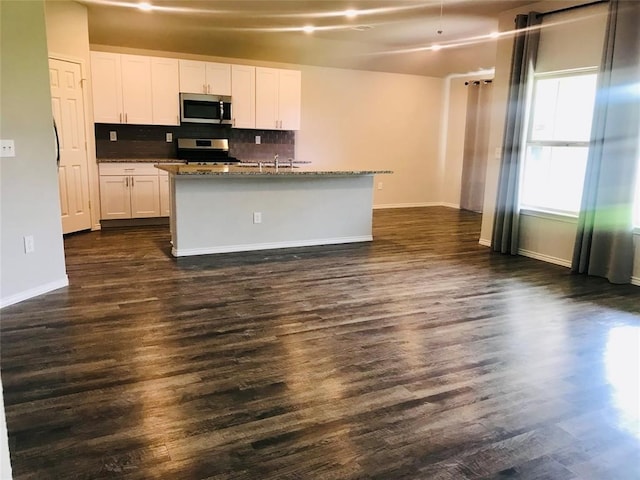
column 186, row 252
column 34, row 292
column 545, row 258
column 485, row 242
column 414, row 205
column 635, row 281
column 406, row 205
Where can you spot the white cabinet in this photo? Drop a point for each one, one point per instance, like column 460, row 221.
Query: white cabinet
column 243, row 92
column 121, row 88
column 205, row 77
column 137, row 107
column 129, row 190
column 165, row 198
column 134, row 89
column 278, row 99
column 165, row 89
column 106, row 81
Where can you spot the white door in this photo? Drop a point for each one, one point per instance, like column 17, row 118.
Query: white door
column 289, row 101
column 68, row 111
column 106, row 80
column 267, row 98
column 243, row 91
column 192, row 76
column 218, row 78
column 136, row 89
column 165, row 86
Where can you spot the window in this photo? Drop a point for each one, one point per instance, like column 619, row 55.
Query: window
column 557, row 142
column 636, row 220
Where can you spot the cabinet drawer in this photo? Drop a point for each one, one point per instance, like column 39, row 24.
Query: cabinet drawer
column 127, row 169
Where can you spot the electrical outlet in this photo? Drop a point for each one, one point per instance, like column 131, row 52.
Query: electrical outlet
column 29, row 244
column 169, row 137
column 258, row 140
column 379, row 185
column 113, row 136
column 7, row 148
column 257, row 217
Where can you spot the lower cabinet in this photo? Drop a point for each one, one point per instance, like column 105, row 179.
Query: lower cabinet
column 130, row 190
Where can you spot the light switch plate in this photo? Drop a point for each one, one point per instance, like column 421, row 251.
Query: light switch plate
column 258, row 140
column 113, row 136
column 169, row 137
column 7, row 148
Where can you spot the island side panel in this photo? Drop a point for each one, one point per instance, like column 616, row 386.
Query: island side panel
column 214, row 214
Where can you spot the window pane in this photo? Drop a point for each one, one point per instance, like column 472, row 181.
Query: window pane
column 553, row 178
column 563, row 108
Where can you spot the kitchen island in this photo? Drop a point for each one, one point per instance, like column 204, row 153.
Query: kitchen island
column 222, row 208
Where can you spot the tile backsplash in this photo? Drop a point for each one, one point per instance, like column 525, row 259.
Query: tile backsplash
column 149, row 141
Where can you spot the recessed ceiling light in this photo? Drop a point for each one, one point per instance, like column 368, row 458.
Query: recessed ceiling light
column 351, row 13
column 145, row 6
column 308, row 29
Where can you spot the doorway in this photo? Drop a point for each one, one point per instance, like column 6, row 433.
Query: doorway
column 69, row 115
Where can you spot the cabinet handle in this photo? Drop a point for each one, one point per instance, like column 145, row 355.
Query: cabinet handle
column 120, row 118
column 126, row 182
column 131, row 182
column 126, row 118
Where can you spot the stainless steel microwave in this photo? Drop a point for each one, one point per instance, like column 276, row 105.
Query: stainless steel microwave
column 202, row 108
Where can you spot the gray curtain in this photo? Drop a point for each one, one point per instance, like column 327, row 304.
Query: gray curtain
column 476, row 145
column 506, row 219
column 604, row 240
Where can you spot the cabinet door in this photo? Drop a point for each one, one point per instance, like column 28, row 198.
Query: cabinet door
column 107, row 87
column 145, row 196
column 165, row 88
column 218, row 78
column 267, row 98
column 243, row 91
column 192, row 77
column 289, row 101
column 136, row 89
column 115, row 197
column 165, row 205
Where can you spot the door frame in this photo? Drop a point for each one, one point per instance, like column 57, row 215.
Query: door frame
column 89, row 135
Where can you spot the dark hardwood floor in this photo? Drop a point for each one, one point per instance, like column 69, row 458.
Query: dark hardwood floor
column 418, row 356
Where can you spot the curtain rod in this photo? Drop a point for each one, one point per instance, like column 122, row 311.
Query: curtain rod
column 574, row 7
column 477, row 82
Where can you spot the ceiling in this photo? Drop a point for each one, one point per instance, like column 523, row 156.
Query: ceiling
column 392, row 36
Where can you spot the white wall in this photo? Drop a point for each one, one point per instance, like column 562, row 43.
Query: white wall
column 29, row 182
column 368, row 120
column 68, row 39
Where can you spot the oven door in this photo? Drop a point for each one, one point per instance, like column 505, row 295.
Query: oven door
column 201, row 108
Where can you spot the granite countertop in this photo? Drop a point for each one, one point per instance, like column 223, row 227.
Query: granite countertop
column 285, row 170
column 138, row 160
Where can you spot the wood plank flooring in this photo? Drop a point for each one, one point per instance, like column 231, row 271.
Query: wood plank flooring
column 418, row 356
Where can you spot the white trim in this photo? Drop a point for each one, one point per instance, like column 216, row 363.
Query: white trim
column 635, row 281
column 450, row 205
column 34, row 292
column 545, row 258
column 268, row 246
column 485, row 242
column 547, row 215
column 407, row 205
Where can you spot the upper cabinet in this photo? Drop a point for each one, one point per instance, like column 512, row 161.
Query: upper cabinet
column 165, row 89
column 106, row 81
column 243, row 94
column 145, row 90
column 134, row 89
column 278, row 99
column 205, row 77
